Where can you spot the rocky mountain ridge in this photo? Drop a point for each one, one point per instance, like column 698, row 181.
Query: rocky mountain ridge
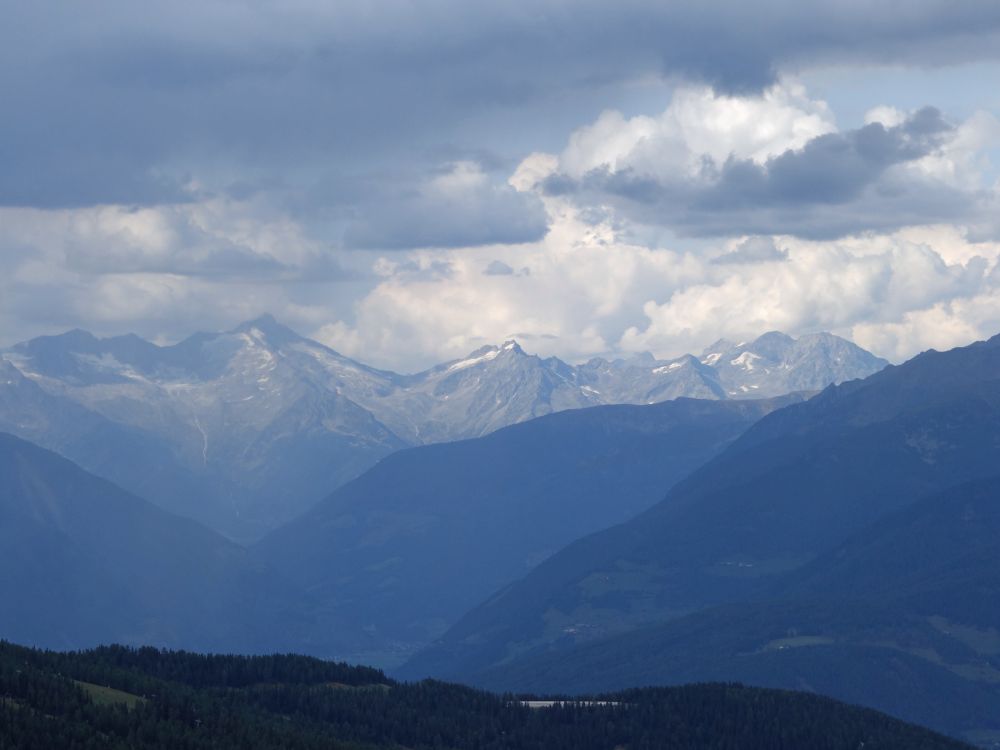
column 247, row 428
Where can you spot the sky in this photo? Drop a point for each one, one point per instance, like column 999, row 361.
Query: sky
column 407, row 181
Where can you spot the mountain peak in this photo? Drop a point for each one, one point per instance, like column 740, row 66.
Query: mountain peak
column 774, row 337
column 825, row 338
column 76, row 339
column 484, row 354
column 268, row 325
column 773, row 345
column 511, row 346
column 640, row 359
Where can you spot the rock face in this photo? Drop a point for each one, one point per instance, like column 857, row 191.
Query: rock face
column 243, row 430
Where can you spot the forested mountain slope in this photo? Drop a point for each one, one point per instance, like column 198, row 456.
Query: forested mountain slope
column 903, row 617
column 119, row 698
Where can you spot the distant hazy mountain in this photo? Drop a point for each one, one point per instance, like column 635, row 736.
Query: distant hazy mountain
column 903, row 617
column 793, row 487
column 246, row 429
column 412, row 544
column 256, row 417
column 771, row 365
column 85, row 562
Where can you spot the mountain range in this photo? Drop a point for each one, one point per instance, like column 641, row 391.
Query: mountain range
column 844, row 544
column 246, row 429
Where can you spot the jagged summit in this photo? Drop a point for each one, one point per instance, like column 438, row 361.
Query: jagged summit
column 269, row 327
column 510, row 345
column 481, row 356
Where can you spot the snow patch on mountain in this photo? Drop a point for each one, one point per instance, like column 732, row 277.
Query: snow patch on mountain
column 668, row 368
column 473, row 361
column 745, row 360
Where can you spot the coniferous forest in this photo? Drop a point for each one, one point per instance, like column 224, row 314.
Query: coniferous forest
column 118, row 697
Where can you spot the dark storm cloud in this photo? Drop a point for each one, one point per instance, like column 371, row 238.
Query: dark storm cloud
column 836, row 184
column 832, row 168
column 126, row 102
column 60, row 175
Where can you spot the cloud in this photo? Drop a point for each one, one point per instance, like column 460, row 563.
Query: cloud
column 423, row 267
column 459, row 207
column 774, row 164
column 697, row 125
column 833, row 168
column 942, row 326
column 223, row 240
column 359, row 170
column 121, row 104
column 498, row 268
column 592, row 293
column 164, row 271
column 822, row 286
column 753, row 250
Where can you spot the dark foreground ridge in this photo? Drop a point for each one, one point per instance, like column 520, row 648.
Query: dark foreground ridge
column 117, row 697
